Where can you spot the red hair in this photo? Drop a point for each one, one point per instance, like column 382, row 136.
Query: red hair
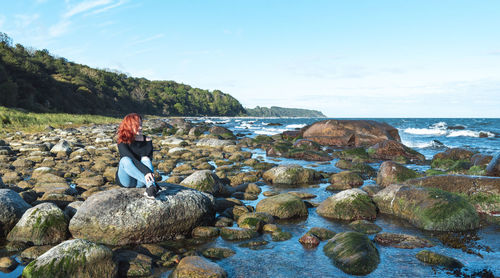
column 128, row 128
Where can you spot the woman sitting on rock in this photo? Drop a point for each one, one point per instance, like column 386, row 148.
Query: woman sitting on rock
column 136, row 152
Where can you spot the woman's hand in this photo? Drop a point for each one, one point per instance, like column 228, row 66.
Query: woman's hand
column 149, row 178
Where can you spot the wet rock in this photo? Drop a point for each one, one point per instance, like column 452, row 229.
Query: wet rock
column 203, row 180
column 234, row 234
column 322, row 233
column 281, row 236
column 371, row 189
column 402, row 241
column 254, row 244
column 77, row 257
column 427, row 208
column 222, row 204
column 266, row 218
column 271, row 228
column 283, row 206
column 394, row 150
column 365, row 227
column 349, row 132
column 344, row 180
column 291, row 174
column 222, row 132
column 351, row 204
column 460, row 184
column 392, row 172
column 194, row 266
column 218, row 253
column 432, row 258
column 205, row 232
column 132, row 264
column 12, row 208
column 479, row 159
column 41, row 225
column 222, row 221
column 309, row 240
column 353, row 253
column 29, row 196
column 123, row 215
column 455, row 160
column 302, row 195
column 35, row 252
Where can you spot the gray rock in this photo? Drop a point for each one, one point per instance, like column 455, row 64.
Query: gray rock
column 291, row 174
column 63, row 146
column 402, row 241
column 350, row 204
column 203, row 180
column 132, row 264
column 124, row 216
column 41, row 225
column 213, row 143
column 12, row 208
column 283, row 206
column 493, row 168
column 74, row 258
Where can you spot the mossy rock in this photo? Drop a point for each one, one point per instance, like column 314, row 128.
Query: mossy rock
column 75, row 258
column 254, row 244
column 266, row 218
column 434, row 172
column 322, row 233
column 391, row 172
column 478, row 170
column 364, row 170
column 281, row 236
column 251, row 223
column 351, row 204
column 41, row 225
column 365, row 227
column 234, row 234
column 432, row 258
column 402, row 241
column 345, row 180
column 283, row 206
column 353, row 253
column 344, row 164
column 132, row 264
column 291, row 175
column 205, row 232
column 428, row 208
column 195, row 266
column 218, row 253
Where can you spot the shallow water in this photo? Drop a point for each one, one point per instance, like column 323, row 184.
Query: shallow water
column 290, row 259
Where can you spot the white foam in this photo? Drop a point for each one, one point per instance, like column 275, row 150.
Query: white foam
column 269, row 131
column 423, row 145
column 425, row 131
column 296, row 126
column 469, row 133
column 440, row 125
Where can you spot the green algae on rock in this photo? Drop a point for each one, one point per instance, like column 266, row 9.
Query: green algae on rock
column 353, row 253
column 432, row 258
column 391, row 172
column 351, row 204
column 291, row 174
column 283, row 206
column 77, row 257
column 427, row 208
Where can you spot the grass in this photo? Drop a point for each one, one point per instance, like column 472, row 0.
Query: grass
column 20, row 120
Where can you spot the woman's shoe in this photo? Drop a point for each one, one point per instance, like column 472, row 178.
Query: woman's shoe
column 151, row 192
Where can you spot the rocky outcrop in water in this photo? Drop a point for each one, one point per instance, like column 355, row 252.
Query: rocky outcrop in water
column 394, row 150
column 74, row 258
column 124, row 216
column 283, row 206
column 291, row 175
column 12, row 208
column 195, row 266
column 349, row 133
column 392, row 172
column 427, row 208
column 353, row 253
column 351, row 204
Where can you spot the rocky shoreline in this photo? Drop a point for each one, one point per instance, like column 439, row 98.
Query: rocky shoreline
column 62, row 213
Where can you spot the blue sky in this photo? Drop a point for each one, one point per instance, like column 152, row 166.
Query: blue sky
column 344, row 58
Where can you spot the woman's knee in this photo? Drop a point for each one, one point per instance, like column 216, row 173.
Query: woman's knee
column 125, row 161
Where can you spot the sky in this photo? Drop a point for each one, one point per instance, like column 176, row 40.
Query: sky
column 352, row 58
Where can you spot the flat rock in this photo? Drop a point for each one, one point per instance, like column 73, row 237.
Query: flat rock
column 402, row 241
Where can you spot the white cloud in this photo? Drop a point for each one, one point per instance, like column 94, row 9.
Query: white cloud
column 148, row 39
column 85, row 6
column 119, row 3
column 59, row 28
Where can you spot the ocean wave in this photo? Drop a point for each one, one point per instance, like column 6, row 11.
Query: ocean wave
column 269, row 131
column 434, row 144
column 439, row 125
column 425, row 131
column 296, row 126
column 470, row 133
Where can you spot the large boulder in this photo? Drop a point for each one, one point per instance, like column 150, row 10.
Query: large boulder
column 291, row 174
column 203, row 180
column 222, row 132
column 455, row 160
column 432, row 258
column 394, row 150
column 214, row 143
column 353, row 253
column 345, row 180
column 351, row 204
column 391, row 172
column 482, row 192
column 427, row 208
column 74, row 258
column 124, row 216
column 283, row 206
column 12, row 208
column 349, row 132
column 195, row 266
column 41, row 225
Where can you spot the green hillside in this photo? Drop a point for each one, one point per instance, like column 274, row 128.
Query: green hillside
column 37, row 81
column 275, row 111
